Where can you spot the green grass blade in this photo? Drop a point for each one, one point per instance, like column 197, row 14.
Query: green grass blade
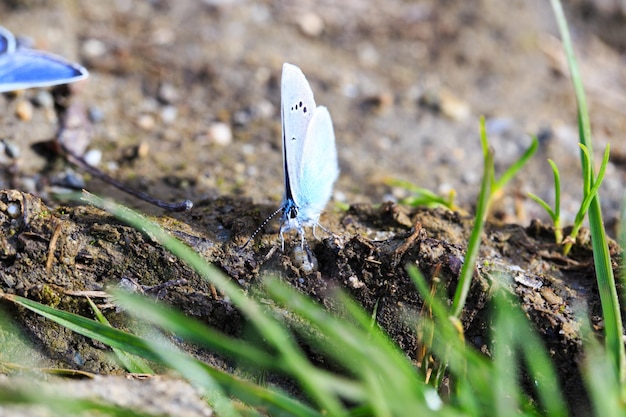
column 516, row 166
column 159, row 353
column 354, row 344
column 473, row 245
column 273, row 332
column 192, row 330
column 604, row 273
column 511, row 325
column 543, row 204
column 131, row 363
column 557, row 190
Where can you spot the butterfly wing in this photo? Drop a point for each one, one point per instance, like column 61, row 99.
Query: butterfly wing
column 22, row 68
column 318, row 167
column 297, row 108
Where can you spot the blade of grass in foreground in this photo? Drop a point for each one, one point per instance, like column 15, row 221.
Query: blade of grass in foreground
column 131, row 363
column 311, row 379
column 604, row 273
column 197, row 371
column 391, row 385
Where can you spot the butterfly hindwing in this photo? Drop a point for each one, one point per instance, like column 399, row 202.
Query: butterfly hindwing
column 318, row 169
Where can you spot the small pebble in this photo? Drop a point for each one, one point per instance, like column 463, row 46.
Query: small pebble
column 146, row 122
column 96, row 115
column 220, row 134
column 378, row 102
column 44, row 99
column 24, row 110
column 311, row 24
column 304, row 259
column 142, row 150
column 265, row 109
column 93, row 48
column 93, row 157
column 167, row 93
column 28, row 185
column 368, row 55
column 453, row 107
column 11, row 149
column 72, row 180
column 14, row 210
column 242, row 117
column 163, row 36
column 168, row 114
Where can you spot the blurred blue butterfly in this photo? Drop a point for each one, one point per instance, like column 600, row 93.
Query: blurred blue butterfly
column 22, row 67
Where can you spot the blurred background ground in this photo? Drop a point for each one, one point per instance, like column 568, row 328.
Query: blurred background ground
column 184, row 95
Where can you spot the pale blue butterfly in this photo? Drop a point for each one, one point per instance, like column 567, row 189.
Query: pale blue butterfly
column 22, row 67
column 309, row 155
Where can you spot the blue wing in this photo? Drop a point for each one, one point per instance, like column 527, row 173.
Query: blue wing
column 22, row 68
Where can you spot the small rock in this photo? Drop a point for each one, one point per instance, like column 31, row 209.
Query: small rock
column 168, row 114
column 93, row 157
column 220, row 134
column 28, row 185
column 93, row 48
column 163, row 36
column 167, row 93
column 142, row 150
column 304, row 259
column 146, row 122
column 453, row 107
column 11, row 149
column 96, row 115
column 24, row 110
column 265, row 109
column 311, row 24
column 368, row 55
column 72, row 180
column 378, row 102
column 447, row 103
column 14, row 210
column 44, row 99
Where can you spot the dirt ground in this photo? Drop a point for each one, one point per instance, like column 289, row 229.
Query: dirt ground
column 183, row 102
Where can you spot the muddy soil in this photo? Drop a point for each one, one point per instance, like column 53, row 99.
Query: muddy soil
column 182, row 103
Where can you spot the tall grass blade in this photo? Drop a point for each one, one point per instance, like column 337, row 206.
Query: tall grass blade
column 604, row 273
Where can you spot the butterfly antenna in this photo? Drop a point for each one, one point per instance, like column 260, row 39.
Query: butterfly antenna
column 266, row 221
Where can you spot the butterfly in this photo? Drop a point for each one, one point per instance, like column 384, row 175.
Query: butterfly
column 309, row 155
column 22, row 67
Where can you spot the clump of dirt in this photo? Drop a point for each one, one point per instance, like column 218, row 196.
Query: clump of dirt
column 56, row 256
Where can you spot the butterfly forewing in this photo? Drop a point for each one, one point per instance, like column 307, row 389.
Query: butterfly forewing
column 297, row 107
